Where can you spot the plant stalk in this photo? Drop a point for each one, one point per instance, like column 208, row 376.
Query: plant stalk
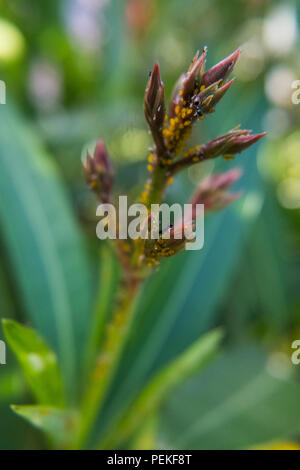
column 108, row 360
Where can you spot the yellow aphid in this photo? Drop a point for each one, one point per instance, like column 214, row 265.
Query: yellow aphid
column 170, row 180
column 202, row 117
column 202, row 87
column 181, row 92
column 228, row 157
column 192, row 151
column 149, row 168
column 150, row 158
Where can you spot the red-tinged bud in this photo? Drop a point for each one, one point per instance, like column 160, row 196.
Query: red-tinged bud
column 234, row 141
column 154, row 101
column 214, row 193
column 193, row 77
column 221, row 70
column 239, row 143
column 205, row 101
column 99, row 172
column 175, row 241
column 227, row 145
column 188, row 83
column 220, row 93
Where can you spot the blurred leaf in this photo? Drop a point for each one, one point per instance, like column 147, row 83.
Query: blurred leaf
column 108, row 286
column 265, row 259
column 43, row 243
column 279, row 445
column 145, row 438
column 237, row 403
column 53, row 421
column 12, row 385
column 37, row 361
column 162, row 385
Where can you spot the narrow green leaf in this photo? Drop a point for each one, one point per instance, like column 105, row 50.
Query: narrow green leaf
column 37, row 361
column 12, row 385
column 188, row 363
column 43, row 243
column 241, row 400
column 56, row 423
column 109, row 279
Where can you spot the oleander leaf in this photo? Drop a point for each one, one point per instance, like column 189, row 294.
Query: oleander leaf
column 38, row 362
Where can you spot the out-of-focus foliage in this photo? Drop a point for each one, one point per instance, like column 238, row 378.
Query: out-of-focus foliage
column 75, row 70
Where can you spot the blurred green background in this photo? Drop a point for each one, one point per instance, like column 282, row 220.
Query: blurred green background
column 75, row 71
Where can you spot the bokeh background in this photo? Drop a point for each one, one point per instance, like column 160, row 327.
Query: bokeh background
column 75, row 71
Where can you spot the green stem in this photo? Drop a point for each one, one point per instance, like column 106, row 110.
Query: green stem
column 117, row 331
column 158, row 184
column 107, row 362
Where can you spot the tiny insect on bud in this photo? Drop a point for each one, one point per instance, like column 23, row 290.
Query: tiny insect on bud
column 99, row 172
column 177, row 236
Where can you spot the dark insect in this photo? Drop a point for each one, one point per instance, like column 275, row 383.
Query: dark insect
column 169, row 229
column 197, row 106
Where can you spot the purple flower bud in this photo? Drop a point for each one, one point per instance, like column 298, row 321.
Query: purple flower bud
column 233, row 142
column 239, row 143
column 214, row 193
column 188, row 82
column 221, row 70
column 166, row 247
column 220, row 93
column 99, row 172
column 154, row 101
column 193, row 77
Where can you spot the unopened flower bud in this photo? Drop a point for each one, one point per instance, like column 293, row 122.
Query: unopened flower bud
column 192, row 78
column 188, row 82
column 235, row 141
column 221, row 70
column 99, row 172
column 172, row 240
column 214, row 192
column 239, row 143
column 154, row 101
